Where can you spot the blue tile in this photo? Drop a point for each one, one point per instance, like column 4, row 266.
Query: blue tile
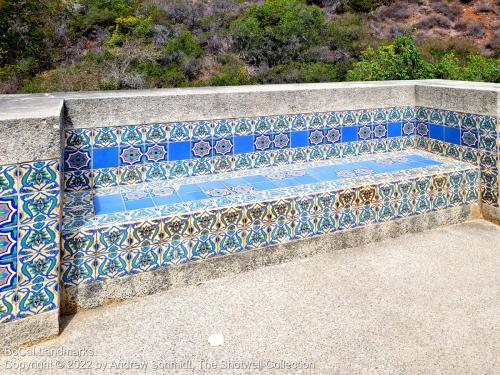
column 452, row 135
column 77, row 160
column 289, row 182
column 262, row 142
column 323, row 175
column 179, row 150
column 256, row 179
column 299, row 138
column 8, row 177
column 130, row 155
column 364, row 132
column 223, row 146
column 8, row 212
column 415, row 157
column 436, row 131
column 316, row 137
column 306, row 179
column 349, row 134
column 105, row 157
column 424, row 163
column 201, row 149
column 379, row 131
column 166, row 200
column 281, row 140
column 235, row 182
column 139, row 203
column 9, row 274
column 8, row 243
column 243, row 144
column 469, row 138
column 108, row 204
column 260, row 186
column 188, row 188
column 212, row 185
column 155, row 153
column 394, row 129
column 193, row 196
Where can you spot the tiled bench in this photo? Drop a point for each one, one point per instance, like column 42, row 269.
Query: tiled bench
column 109, row 195
column 131, row 229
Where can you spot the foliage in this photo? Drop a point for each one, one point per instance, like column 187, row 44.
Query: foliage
column 475, row 68
column 71, row 45
column 28, row 31
column 349, row 33
column 231, row 72
column 400, row 60
column 299, row 72
column 277, row 31
column 434, row 49
column 75, row 77
column 99, row 13
column 361, row 6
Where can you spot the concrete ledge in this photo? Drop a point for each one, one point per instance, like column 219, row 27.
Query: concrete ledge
column 230, row 102
column 28, row 140
column 89, row 296
column 459, row 96
column 29, row 330
column 30, row 128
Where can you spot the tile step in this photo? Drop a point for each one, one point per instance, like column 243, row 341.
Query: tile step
column 188, row 195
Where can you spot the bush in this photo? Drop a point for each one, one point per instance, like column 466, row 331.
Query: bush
column 399, row 11
column 298, row 72
column 136, row 27
column 176, row 64
column 493, row 44
column 452, row 11
column 429, row 22
column 475, row 68
column 483, row 8
column 470, row 28
column 349, row 32
column 434, row 49
column 233, row 73
column 184, row 45
column 28, row 30
column 77, row 77
column 98, row 13
column 400, row 60
column 361, row 6
column 277, row 31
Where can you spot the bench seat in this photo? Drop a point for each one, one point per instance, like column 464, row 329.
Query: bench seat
column 136, row 228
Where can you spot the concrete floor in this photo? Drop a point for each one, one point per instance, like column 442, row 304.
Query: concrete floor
column 422, row 304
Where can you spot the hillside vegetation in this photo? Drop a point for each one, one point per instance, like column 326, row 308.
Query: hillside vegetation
column 63, row 45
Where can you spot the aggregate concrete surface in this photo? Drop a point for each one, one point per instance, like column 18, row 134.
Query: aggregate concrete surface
column 426, row 303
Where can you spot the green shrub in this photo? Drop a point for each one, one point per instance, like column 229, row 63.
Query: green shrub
column 27, row 30
column 299, row 72
column 76, row 77
column 361, row 6
column 277, row 31
column 475, row 68
column 101, row 13
column 349, row 32
column 137, row 27
column 433, row 49
column 400, row 60
column 233, row 73
column 183, row 45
